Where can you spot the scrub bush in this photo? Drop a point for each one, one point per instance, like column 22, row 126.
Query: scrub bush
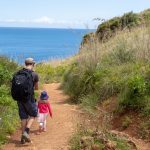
column 8, row 107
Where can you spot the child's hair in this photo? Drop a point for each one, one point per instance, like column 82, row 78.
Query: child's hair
column 44, row 96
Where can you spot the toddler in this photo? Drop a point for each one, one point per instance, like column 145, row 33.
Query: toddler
column 44, row 108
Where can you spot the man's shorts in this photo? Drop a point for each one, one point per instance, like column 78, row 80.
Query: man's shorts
column 28, row 109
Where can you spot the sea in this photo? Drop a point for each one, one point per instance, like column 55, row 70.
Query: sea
column 42, row 44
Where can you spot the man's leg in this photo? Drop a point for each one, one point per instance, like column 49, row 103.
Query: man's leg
column 31, row 109
column 30, row 122
column 27, row 129
column 23, row 124
column 24, row 117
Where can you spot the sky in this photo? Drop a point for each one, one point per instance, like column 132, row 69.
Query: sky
column 64, row 13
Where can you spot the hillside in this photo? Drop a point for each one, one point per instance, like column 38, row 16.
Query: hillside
column 111, row 74
column 109, row 28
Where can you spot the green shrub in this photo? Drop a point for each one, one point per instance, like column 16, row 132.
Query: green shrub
column 48, row 73
column 7, row 68
column 108, row 28
column 129, row 20
column 73, row 83
column 133, row 94
column 8, row 107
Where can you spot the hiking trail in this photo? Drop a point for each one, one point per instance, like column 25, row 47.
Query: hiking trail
column 59, row 129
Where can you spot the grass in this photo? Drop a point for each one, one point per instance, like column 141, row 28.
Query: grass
column 89, row 102
column 51, row 71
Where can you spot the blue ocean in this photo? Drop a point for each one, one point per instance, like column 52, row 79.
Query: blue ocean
column 40, row 43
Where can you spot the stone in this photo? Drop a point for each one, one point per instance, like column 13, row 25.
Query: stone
column 110, row 145
column 96, row 147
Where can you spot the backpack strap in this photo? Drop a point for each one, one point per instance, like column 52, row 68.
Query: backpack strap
column 29, row 71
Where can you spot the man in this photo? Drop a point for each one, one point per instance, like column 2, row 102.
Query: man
column 28, row 110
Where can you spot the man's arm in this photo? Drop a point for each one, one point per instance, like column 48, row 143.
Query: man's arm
column 36, row 80
column 36, row 86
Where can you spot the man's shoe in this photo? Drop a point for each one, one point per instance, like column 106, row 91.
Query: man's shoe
column 23, row 140
column 26, row 137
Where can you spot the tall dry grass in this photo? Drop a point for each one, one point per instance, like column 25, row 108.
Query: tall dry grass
column 109, row 68
column 136, row 42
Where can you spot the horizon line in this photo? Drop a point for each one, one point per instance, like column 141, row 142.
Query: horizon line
column 47, row 28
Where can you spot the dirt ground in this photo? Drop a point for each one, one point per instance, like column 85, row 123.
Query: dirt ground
column 59, row 129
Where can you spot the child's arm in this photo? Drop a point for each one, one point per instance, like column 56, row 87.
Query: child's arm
column 50, row 109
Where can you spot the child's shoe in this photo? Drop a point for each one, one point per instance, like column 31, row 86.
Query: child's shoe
column 44, row 130
column 41, row 127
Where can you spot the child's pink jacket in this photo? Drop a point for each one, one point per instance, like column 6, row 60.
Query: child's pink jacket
column 45, row 108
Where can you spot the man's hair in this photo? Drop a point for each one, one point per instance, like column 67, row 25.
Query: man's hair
column 29, row 64
column 29, row 61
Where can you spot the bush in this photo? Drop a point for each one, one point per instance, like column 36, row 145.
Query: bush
column 108, row 28
column 73, row 83
column 111, row 27
column 49, row 74
column 133, row 95
column 8, row 107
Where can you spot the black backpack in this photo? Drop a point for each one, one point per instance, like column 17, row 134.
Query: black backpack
column 22, row 85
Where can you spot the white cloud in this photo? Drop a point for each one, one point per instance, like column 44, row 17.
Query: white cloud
column 42, row 20
column 45, row 21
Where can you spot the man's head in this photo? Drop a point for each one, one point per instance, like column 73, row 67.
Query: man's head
column 29, row 62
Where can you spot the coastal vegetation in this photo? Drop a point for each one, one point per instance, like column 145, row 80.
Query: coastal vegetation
column 111, row 73
column 110, row 28
column 119, row 67
column 8, row 107
column 112, row 66
column 51, row 71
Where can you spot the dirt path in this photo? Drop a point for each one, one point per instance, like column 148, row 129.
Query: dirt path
column 59, row 129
